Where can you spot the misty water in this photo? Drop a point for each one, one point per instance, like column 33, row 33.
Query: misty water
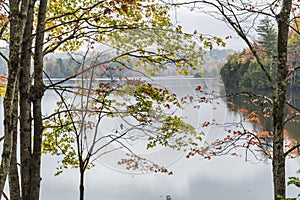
column 225, row 177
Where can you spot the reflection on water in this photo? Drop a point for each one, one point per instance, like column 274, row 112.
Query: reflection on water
column 220, row 178
column 160, row 155
column 262, row 106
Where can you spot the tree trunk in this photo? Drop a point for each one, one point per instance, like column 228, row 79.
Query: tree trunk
column 14, row 183
column 17, row 24
column 279, row 100
column 25, row 105
column 36, row 156
column 38, row 91
column 81, row 186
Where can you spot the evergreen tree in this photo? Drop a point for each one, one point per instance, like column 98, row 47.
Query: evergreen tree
column 268, row 37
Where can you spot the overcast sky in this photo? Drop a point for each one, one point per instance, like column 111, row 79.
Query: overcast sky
column 206, row 24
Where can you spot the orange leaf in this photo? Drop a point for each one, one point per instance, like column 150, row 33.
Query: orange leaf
column 244, row 110
column 285, row 133
column 230, row 103
column 205, row 124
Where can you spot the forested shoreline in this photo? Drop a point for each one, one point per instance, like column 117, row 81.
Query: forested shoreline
column 241, row 72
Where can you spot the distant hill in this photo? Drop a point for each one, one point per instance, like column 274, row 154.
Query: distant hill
column 216, row 56
column 60, row 65
column 214, row 60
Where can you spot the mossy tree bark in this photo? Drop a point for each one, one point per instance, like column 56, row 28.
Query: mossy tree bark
column 25, row 105
column 37, row 92
column 279, row 101
column 18, row 15
column 14, row 185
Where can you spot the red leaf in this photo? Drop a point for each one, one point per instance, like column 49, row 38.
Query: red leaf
column 198, row 88
column 205, row 124
column 207, row 157
column 228, row 37
column 124, row 8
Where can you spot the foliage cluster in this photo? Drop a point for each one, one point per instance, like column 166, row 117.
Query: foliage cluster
column 138, row 32
column 142, row 111
column 241, row 72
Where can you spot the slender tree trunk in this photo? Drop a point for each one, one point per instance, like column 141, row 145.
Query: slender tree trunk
column 81, row 186
column 38, row 92
column 14, row 182
column 18, row 12
column 36, row 156
column 9, row 115
column 25, row 105
column 279, row 100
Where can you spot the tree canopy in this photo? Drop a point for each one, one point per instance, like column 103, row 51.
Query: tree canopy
column 139, row 37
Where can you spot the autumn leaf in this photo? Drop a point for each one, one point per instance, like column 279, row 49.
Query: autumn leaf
column 198, row 88
column 124, row 8
column 207, row 157
column 244, row 110
column 230, row 103
column 205, row 124
column 285, row 133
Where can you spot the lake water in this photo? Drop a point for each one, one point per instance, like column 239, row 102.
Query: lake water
column 223, row 178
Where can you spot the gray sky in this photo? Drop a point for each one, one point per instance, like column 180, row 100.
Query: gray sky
column 206, row 24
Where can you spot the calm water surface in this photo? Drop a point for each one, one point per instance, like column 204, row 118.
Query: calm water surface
column 226, row 178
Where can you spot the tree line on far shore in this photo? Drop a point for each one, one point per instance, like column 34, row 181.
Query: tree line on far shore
column 242, row 72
